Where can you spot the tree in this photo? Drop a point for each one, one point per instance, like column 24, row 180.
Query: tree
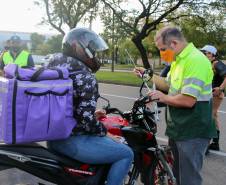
column 36, row 40
column 52, row 45
column 69, row 13
column 208, row 30
column 113, row 33
column 147, row 15
column 55, row 43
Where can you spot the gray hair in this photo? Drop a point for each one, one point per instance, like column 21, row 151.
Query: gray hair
column 167, row 34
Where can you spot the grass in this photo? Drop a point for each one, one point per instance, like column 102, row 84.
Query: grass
column 119, row 66
column 126, row 66
column 124, row 78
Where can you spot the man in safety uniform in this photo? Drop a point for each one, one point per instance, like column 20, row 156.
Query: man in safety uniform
column 189, row 100
column 16, row 55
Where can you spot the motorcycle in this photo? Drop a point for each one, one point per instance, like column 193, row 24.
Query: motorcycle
column 152, row 162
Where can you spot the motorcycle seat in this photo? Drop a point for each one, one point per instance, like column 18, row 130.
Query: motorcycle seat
column 37, row 150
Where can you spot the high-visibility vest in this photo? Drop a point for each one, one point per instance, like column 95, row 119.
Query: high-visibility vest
column 21, row 60
column 191, row 74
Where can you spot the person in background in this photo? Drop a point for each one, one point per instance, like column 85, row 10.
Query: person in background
column 90, row 142
column 15, row 54
column 218, row 85
column 189, row 120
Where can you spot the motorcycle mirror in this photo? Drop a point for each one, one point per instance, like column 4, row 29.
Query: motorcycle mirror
column 108, row 102
column 147, row 75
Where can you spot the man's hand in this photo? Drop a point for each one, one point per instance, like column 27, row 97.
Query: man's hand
column 158, row 95
column 100, row 113
column 138, row 71
column 217, row 91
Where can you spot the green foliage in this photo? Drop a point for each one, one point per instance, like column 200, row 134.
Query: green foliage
column 52, row 45
column 67, row 13
column 43, row 49
column 127, row 44
column 208, row 30
column 142, row 18
column 36, row 40
column 55, row 43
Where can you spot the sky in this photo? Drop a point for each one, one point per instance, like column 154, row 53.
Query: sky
column 24, row 16
column 21, row 15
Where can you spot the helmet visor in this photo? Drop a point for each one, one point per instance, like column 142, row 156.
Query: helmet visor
column 94, row 42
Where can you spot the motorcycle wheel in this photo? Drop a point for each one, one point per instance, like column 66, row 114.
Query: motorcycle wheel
column 156, row 175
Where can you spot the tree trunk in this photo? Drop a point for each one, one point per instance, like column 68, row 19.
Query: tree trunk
column 138, row 43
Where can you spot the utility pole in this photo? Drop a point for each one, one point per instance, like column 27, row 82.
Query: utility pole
column 113, row 43
column 91, row 19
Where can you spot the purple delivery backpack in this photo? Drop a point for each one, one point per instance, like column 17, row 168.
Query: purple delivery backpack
column 35, row 105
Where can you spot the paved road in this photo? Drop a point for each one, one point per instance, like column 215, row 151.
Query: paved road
column 214, row 169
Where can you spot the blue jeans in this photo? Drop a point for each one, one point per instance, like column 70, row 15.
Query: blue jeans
column 97, row 150
column 189, row 155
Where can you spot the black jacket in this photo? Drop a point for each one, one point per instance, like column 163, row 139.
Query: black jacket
column 85, row 94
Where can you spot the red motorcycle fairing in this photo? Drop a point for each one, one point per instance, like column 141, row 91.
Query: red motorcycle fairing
column 114, row 124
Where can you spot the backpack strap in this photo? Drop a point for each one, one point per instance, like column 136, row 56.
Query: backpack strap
column 61, row 76
column 35, row 76
column 37, row 73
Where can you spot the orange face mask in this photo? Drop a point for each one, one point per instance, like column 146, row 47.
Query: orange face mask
column 167, row 55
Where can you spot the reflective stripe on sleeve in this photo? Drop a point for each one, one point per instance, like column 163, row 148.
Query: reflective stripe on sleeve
column 194, row 81
column 196, row 93
column 191, row 91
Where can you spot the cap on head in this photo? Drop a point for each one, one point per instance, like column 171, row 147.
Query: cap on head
column 209, row 48
column 15, row 38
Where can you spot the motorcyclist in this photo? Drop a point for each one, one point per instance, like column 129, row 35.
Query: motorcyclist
column 89, row 142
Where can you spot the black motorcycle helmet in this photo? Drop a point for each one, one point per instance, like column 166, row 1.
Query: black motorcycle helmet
column 83, row 44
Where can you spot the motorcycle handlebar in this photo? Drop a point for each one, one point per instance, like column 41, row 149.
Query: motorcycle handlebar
column 140, row 102
column 144, row 100
column 113, row 110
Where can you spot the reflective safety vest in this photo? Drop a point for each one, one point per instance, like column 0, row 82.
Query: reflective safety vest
column 21, row 60
column 191, row 74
